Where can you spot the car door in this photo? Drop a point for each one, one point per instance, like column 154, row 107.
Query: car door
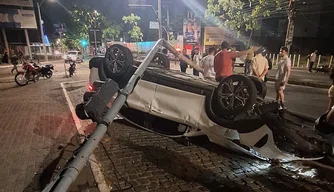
column 178, row 105
column 142, row 96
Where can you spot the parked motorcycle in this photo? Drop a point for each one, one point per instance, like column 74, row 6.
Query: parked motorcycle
column 44, row 71
column 30, row 73
column 72, row 68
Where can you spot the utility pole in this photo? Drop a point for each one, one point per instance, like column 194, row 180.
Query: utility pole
column 159, row 18
column 42, row 32
column 291, row 25
column 167, row 12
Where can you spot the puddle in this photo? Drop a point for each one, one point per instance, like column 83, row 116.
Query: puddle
column 313, row 171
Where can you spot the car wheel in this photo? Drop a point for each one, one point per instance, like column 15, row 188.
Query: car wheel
column 161, row 60
column 117, row 61
column 236, row 94
column 260, row 86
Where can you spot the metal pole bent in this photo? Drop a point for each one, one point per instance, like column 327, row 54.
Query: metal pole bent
column 63, row 182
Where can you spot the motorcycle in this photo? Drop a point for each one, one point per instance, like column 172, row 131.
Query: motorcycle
column 30, row 73
column 44, row 71
column 72, row 68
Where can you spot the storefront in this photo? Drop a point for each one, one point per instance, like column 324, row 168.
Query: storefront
column 213, row 37
column 18, row 26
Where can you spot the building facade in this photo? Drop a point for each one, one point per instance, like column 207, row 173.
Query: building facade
column 19, row 27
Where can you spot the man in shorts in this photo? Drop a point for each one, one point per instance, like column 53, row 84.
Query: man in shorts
column 282, row 75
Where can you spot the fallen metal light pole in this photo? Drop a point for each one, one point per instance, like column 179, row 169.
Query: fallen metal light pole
column 66, row 177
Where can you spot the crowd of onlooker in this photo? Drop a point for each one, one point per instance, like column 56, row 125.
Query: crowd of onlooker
column 218, row 64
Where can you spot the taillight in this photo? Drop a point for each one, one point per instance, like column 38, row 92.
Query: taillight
column 90, row 87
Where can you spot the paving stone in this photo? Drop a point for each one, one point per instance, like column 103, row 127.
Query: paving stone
column 35, row 120
column 159, row 162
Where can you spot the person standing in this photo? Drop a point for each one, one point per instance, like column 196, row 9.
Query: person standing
column 5, row 57
column 20, row 56
column 184, row 65
column 207, row 63
column 282, row 75
column 223, row 61
column 260, row 64
column 331, row 92
column 270, row 64
column 248, row 62
column 14, row 61
column 234, row 59
column 197, row 58
column 312, row 57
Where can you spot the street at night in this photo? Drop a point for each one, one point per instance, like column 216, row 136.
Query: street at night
column 166, row 95
column 144, row 161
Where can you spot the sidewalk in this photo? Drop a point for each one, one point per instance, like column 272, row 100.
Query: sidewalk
column 300, row 76
column 38, row 136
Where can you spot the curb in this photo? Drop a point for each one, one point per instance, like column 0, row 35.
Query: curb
column 304, row 83
column 306, row 117
column 94, row 164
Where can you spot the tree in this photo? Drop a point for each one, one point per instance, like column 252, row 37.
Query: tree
column 240, row 15
column 135, row 33
column 82, row 19
column 112, row 32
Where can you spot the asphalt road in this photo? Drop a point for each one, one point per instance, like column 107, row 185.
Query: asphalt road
column 307, row 100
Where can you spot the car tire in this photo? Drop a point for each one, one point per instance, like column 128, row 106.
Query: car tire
column 117, row 61
column 161, row 60
column 260, row 86
column 236, row 94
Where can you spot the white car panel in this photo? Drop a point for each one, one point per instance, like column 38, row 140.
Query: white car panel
column 93, row 75
column 180, row 106
column 142, row 96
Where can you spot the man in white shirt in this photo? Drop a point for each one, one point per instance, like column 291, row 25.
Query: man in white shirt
column 207, row 63
column 283, row 74
column 260, row 64
column 197, row 58
column 313, row 56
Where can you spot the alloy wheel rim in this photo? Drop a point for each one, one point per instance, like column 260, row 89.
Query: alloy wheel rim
column 115, row 60
column 233, row 95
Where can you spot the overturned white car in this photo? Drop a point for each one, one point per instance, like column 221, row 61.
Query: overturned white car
column 233, row 113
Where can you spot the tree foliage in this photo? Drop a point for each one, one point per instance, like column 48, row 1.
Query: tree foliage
column 112, row 32
column 135, row 33
column 83, row 18
column 240, row 15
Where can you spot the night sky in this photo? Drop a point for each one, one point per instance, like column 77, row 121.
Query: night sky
column 115, row 9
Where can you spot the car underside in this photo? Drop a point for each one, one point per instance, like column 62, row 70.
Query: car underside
column 233, row 113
